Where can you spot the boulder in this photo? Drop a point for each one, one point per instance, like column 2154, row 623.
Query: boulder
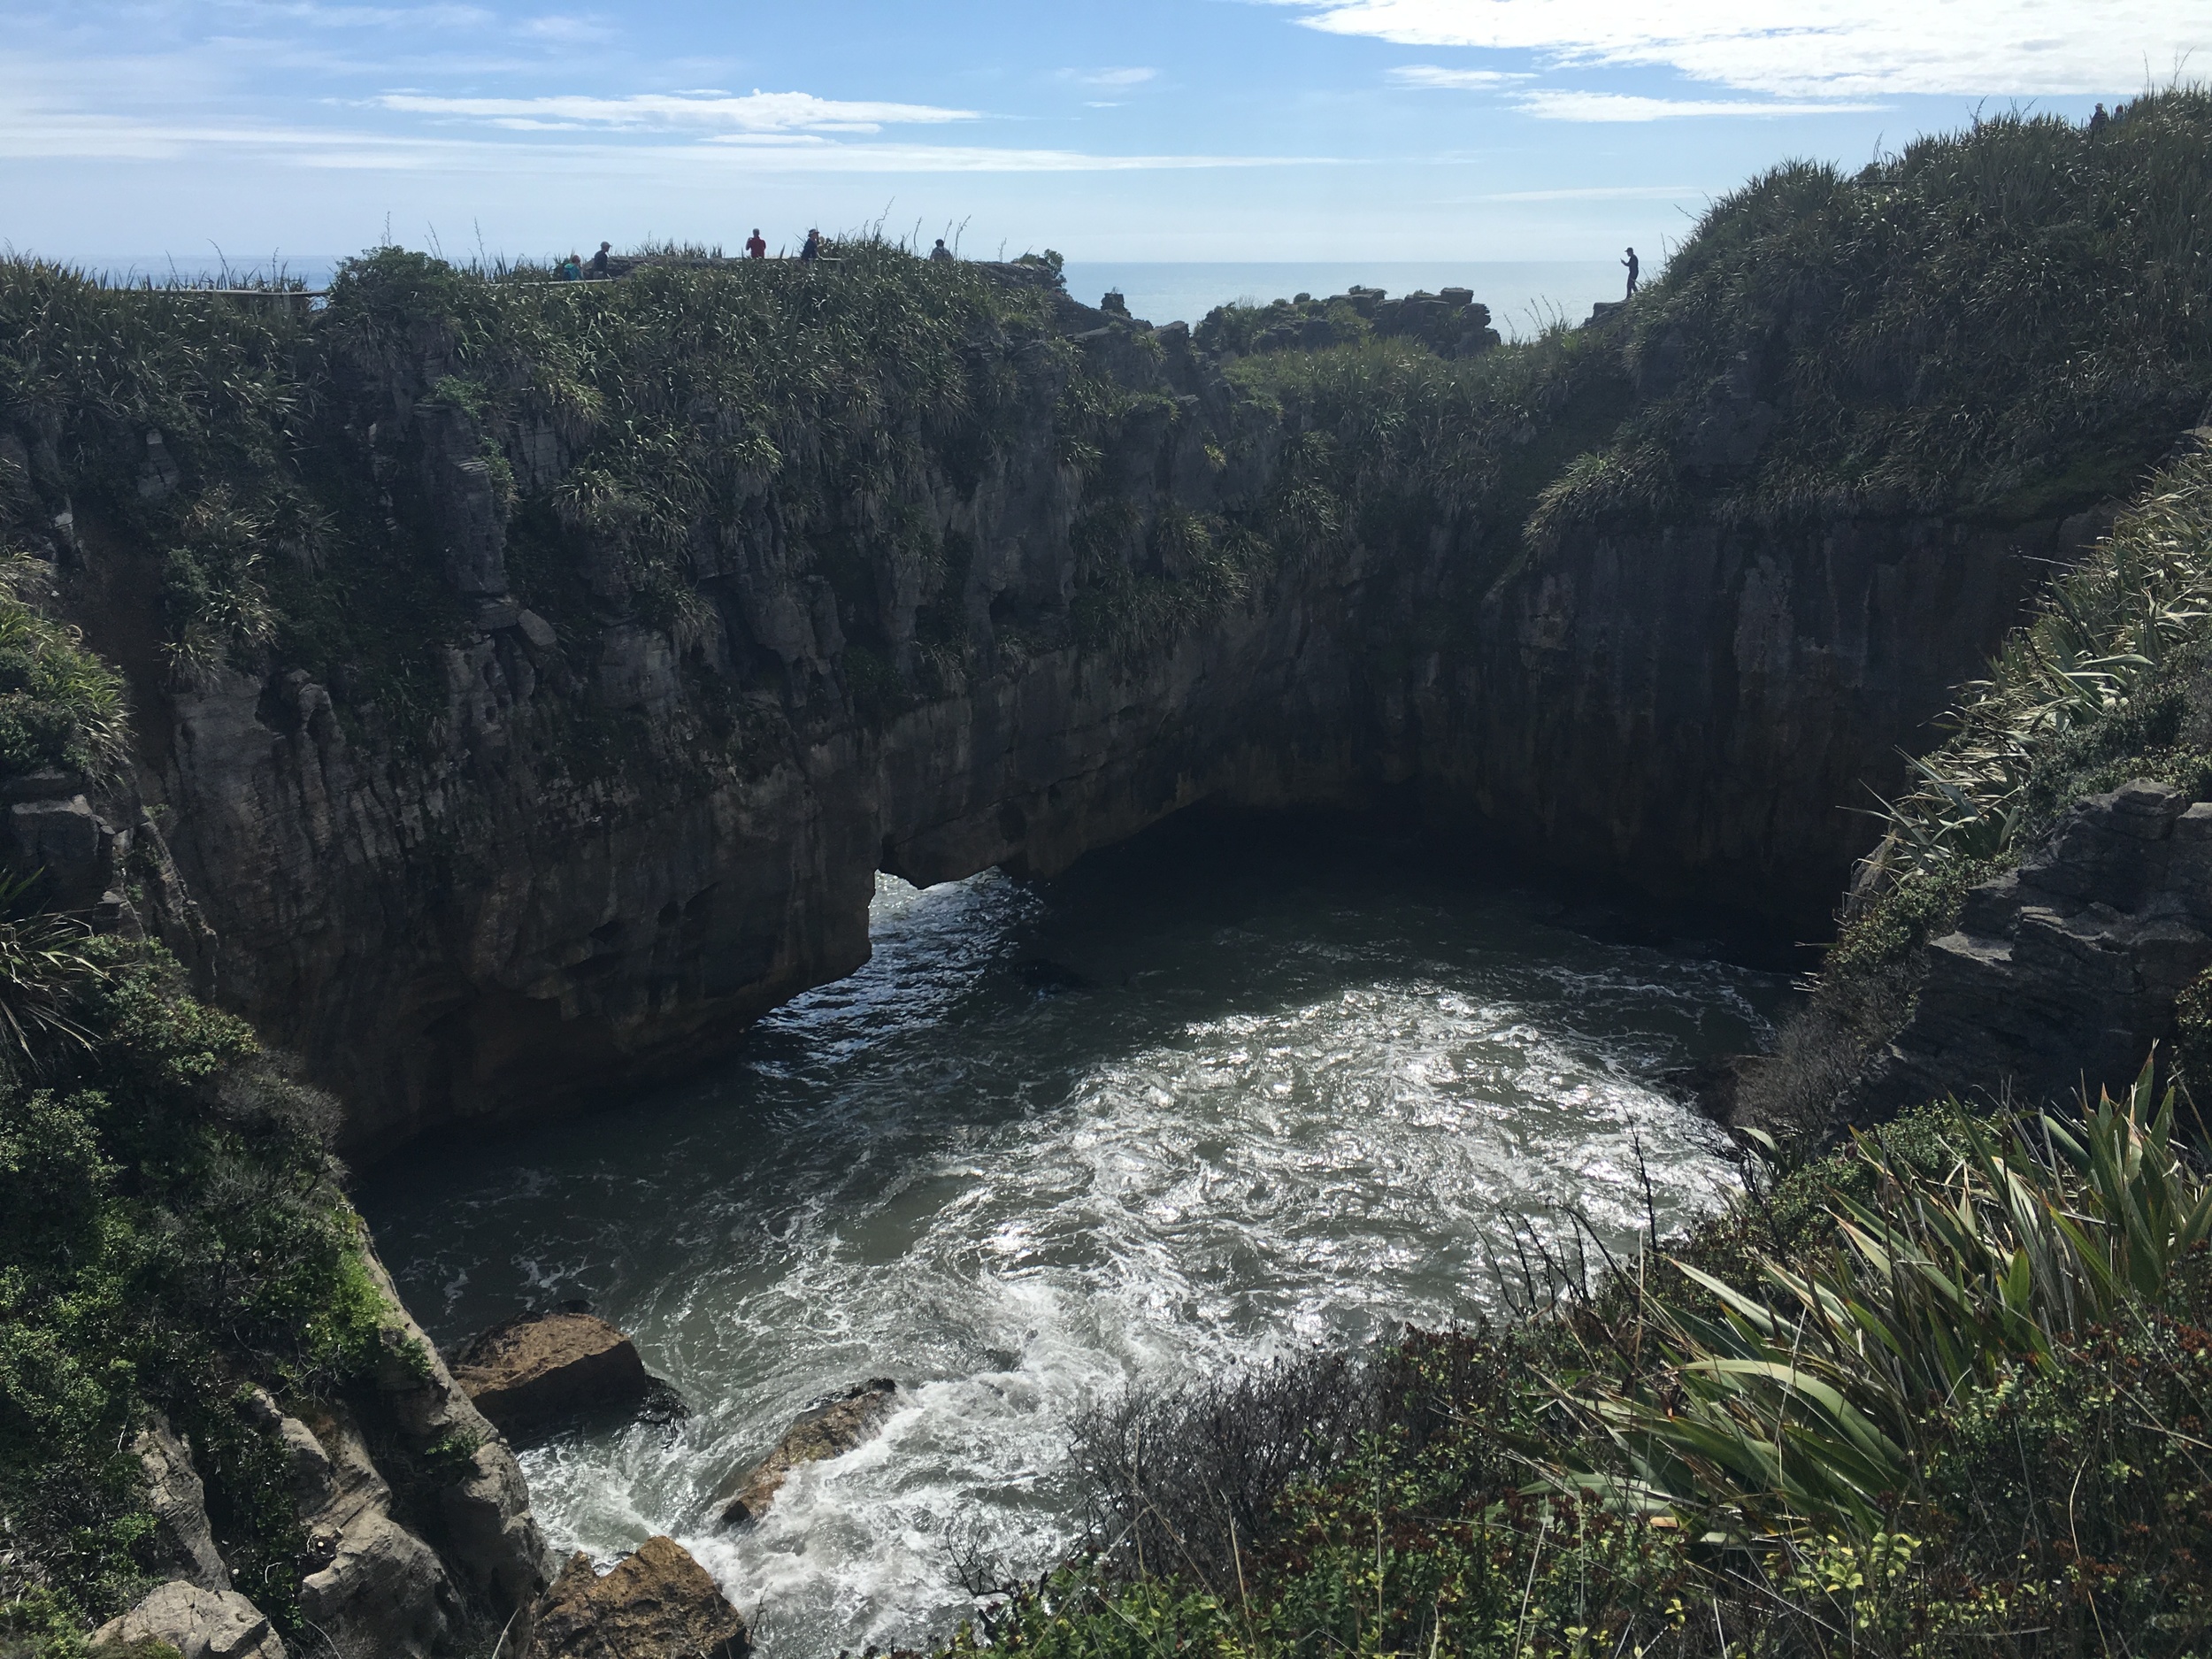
column 823, row 1432
column 656, row 1604
column 198, row 1623
column 544, row 1367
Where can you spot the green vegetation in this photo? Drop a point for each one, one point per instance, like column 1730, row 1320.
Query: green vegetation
column 60, row 706
column 1943, row 1393
column 2110, row 680
column 1997, row 320
column 2006, row 324
column 172, row 1232
column 2105, row 683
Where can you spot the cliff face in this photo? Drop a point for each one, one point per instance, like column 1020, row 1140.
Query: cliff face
column 624, row 835
column 480, row 932
column 620, row 842
column 1709, row 712
column 2063, row 973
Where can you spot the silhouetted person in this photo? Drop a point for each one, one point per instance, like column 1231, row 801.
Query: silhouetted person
column 812, row 251
column 2098, row 120
column 754, row 248
column 1634, row 267
column 599, row 267
column 941, row 254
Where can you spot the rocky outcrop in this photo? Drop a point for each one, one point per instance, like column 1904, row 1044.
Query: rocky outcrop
column 490, row 1536
column 403, row 1574
column 542, row 1368
column 823, row 1431
column 2061, row 974
column 198, row 1623
column 659, row 1603
column 372, row 1587
column 183, row 1542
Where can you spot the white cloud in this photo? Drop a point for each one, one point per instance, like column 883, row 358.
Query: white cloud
column 1548, row 105
column 755, row 113
column 1431, row 75
column 1811, row 48
column 567, row 31
column 1111, row 78
column 34, row 130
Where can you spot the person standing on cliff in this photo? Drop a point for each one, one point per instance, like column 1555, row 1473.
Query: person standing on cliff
column 941, row 254
column 754, row 248
column 1634, row 267
column 2098, row 120
column 812, row 251
column 600, row 270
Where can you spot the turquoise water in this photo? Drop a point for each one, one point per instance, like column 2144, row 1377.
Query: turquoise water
column 1223, row 1091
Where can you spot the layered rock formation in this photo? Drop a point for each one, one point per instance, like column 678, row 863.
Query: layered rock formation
column 623, row 842
column 2063, row 973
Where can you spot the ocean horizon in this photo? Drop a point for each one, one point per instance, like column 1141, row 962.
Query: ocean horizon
column 1524, row 297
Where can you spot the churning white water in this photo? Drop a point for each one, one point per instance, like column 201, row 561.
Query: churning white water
column 1210, row 1097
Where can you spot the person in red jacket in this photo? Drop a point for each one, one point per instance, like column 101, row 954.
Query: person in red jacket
column 754, row 248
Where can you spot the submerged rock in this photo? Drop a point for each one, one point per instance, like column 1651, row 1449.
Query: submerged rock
column 198, row 1623
column 829, row 1430
column 543, row 1367
column 656, row 1604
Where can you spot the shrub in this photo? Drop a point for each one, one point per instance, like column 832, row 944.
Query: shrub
column 171, row 1226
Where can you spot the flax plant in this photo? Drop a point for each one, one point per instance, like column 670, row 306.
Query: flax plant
column 1812, row 1404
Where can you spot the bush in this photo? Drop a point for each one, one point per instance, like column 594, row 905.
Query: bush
column 171, row 1228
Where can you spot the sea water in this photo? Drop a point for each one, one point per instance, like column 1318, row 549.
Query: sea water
column 1224, row 1092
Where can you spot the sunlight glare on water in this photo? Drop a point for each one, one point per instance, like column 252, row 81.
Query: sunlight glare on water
column 1210, row 1097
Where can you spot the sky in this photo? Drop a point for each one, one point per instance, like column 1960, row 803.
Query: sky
column 1120, row 130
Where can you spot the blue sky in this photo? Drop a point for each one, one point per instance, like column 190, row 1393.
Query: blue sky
column 1124, row 129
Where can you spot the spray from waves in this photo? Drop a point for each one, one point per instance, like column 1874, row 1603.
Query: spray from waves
column 1219, row 1121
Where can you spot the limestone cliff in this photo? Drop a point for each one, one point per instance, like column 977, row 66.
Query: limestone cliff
column 622, row 831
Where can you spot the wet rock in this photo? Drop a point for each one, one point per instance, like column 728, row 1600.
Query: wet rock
column 1710, row 1087
column 656, row 1604
column 543, row 1367
column 827, row 1431
column 198, row 1623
